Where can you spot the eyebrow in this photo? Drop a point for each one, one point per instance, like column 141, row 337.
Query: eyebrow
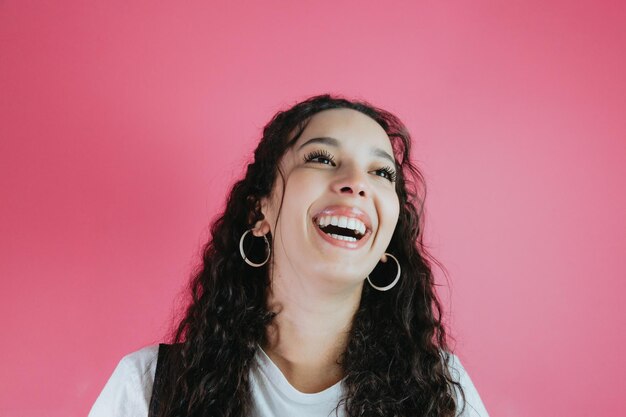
column 326, row 140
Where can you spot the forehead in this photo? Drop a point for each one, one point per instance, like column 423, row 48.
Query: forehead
column 346, row 125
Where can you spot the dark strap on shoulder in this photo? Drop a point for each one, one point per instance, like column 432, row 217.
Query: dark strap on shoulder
column 160, row 377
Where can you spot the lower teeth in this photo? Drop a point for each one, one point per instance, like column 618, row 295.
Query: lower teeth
column 340, row 237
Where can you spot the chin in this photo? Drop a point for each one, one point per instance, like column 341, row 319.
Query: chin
column 342, row 277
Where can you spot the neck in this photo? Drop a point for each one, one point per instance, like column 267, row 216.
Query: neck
column 310, row 332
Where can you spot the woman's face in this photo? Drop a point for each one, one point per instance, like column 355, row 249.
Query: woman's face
column 339, row 207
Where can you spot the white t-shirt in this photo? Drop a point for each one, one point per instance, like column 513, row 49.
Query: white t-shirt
column 128, row 391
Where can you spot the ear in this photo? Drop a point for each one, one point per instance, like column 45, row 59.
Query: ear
column 261, row 226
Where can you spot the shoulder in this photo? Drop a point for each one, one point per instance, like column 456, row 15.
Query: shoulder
column 129, row 388
column 473, row 405
column 142, row 363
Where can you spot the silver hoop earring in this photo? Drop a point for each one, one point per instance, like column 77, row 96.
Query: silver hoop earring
column 395, row 280
column 245, row 257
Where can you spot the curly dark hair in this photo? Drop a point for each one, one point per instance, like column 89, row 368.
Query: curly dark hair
column 395, row 362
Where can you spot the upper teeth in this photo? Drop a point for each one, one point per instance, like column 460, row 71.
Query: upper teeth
column 342, row 221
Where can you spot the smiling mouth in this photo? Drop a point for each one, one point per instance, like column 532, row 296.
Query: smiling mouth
column 342, row 228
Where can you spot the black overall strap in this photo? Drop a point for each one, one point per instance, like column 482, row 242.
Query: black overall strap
column 160, row 379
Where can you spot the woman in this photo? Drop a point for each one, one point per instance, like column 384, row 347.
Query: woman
column 315, row 296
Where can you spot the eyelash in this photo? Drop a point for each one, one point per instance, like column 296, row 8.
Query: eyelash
column 310, row 157
column 389, row 173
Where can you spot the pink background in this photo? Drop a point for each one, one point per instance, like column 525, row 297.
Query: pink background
column 122, row 125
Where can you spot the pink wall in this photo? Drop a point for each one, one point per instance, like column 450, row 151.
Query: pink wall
column 123, row 123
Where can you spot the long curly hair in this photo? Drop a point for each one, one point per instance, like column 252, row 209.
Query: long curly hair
column 395, row 362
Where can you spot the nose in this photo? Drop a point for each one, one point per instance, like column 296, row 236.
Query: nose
column 351, row 181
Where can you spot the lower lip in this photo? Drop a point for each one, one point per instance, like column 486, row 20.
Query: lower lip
column 343, row 243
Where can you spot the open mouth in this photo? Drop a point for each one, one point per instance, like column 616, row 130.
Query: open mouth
column 343, row 228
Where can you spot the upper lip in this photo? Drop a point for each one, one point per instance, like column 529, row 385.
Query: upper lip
column 348, row 211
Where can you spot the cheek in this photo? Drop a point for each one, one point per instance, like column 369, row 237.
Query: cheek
column 304, row 186
column 391, row 210
column 300, row 192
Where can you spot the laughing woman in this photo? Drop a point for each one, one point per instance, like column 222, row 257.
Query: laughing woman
column 315, row 297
